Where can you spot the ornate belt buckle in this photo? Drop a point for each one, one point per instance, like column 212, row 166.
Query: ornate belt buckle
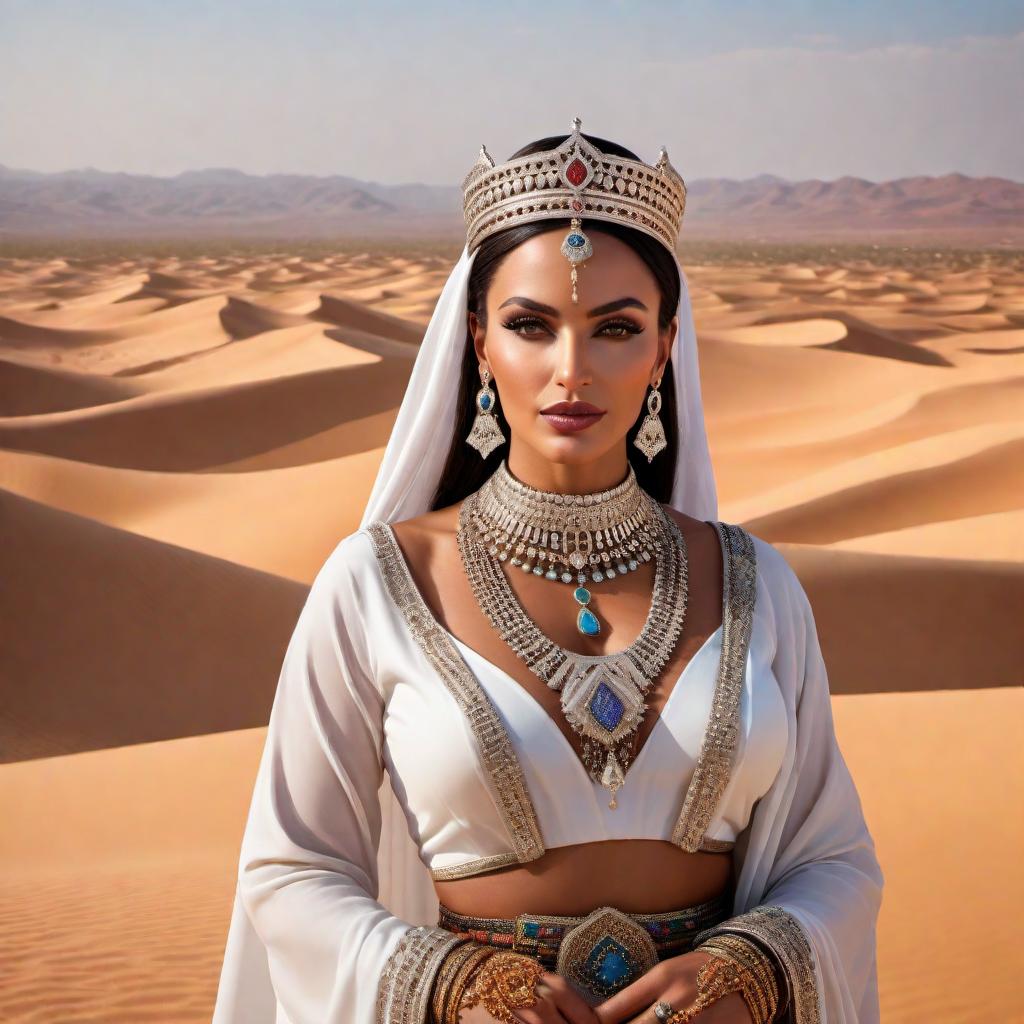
column 605, row 952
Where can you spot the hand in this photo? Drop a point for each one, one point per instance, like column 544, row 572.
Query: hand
column 557, row 1003
column 674, row 980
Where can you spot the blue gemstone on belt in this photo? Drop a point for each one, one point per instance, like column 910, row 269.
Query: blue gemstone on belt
column 530, row 929
column 609, row 963
column 606, row 708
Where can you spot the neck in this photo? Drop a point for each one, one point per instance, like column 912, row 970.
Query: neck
column 568, row 478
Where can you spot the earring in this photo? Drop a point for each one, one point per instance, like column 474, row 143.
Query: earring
column 650, row 439
column 485, row 434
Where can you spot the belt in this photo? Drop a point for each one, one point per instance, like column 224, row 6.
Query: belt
column 600, row 952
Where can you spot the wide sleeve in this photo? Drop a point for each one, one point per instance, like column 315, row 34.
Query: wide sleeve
column 809, row 877
column 308, row 876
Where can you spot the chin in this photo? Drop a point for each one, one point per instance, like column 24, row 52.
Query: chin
column 576, row 449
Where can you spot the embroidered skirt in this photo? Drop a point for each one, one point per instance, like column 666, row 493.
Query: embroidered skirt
column 598, row 953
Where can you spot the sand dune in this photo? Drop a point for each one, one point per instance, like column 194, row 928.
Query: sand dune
column 145, row 432
column 183, row 441
column 28, row 389
column 199, row 640
column 211, row 512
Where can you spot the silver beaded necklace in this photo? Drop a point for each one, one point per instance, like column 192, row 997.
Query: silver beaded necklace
column 602, row 696
column 603, row 535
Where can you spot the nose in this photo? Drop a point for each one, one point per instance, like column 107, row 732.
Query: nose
column 572, row 367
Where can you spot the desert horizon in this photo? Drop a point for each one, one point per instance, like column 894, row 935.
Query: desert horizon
column 950, row 210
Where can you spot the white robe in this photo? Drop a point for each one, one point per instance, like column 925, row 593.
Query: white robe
column 334, row 919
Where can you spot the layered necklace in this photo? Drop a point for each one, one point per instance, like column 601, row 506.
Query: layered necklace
column 578, row 539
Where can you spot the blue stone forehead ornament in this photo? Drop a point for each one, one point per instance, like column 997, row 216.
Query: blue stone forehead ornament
column 576, row 175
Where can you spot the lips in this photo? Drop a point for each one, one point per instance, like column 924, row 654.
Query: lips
column 570, row 417
column 574, row 409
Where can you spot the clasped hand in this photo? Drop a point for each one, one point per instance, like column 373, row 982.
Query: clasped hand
column 673, row 980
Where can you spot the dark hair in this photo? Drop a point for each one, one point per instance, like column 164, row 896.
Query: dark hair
column 464, row 470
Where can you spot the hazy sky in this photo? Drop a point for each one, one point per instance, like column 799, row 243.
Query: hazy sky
column 402, row 91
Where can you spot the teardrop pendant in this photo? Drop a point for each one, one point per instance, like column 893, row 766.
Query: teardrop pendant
column 587, row 624
column 612, row 777
column 586, row 621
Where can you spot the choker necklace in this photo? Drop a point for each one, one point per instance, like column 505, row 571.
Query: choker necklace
column 580, row 537
column 602, row 696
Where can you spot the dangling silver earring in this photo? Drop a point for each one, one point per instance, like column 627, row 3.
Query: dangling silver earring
column 650, row 439
column 485, row 434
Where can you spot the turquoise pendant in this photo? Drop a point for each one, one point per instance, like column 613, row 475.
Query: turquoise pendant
column 586, row 621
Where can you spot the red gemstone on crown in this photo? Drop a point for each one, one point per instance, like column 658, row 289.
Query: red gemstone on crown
column 577, row 205
column 576, row 171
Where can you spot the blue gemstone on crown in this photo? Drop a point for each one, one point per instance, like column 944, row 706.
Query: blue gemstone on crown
column 606, row 708
column 609, row 963
column 587, row 624
column 576, row 240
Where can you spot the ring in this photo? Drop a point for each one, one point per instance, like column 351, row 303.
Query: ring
column 663, row 1010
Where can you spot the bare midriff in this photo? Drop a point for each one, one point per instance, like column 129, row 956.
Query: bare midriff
column 638, row 876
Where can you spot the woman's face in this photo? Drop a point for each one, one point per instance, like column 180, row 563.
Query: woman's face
column 543, row 350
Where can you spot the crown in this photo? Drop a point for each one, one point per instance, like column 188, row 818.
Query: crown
column 575, row 179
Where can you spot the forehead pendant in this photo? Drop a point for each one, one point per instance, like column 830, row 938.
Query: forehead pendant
column 576, row 174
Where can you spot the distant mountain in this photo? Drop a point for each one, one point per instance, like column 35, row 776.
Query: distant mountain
column 220, row 202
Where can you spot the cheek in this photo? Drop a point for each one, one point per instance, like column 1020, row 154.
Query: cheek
column 522, row 371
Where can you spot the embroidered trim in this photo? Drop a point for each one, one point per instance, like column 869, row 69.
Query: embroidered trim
column 711, row 775
column 780, row 931
column 499, row 757
column 475, row 866
column 715, row 845
column 403, row 992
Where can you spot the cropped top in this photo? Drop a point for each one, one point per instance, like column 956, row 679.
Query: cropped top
column 486, row 778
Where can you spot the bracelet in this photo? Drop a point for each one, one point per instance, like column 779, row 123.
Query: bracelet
column 761, row 993
column 507, row 981
column 716, row 978
column 452, row 979
column 782, row 982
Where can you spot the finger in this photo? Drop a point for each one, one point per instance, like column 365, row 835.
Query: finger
column 632, row 1000
column 573, row 1007
column 545, row 1009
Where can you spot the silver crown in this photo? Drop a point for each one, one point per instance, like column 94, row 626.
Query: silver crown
column 573, row 180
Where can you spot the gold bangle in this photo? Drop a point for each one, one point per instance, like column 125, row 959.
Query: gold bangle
column 450, row 978
column 759, row 992
column 751, row 955
column 462, row 984
column 763, row 1000
column 507, row 981
column 442, row 980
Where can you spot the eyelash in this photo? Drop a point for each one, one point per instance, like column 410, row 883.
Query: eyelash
column 629, row 325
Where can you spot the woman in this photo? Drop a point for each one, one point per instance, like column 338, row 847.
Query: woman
column 541, row 552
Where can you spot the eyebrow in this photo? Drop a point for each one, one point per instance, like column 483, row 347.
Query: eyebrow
column 540, row 307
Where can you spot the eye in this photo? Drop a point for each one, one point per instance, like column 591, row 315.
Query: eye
column 518, row 323
column 620, row 328
column 626, row 327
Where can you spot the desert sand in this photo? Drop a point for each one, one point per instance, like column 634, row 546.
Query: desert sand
column 184, row 439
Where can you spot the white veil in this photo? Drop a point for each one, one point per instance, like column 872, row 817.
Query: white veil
column 404, row 487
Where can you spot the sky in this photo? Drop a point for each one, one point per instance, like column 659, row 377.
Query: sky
column 398, row 92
